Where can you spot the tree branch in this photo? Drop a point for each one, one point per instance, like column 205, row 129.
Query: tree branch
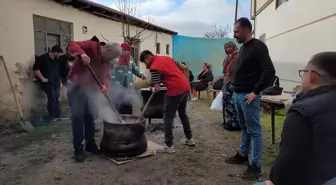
column 131, row 31
column 219, row 32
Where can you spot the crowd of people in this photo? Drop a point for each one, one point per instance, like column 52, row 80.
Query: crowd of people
column 306, row 155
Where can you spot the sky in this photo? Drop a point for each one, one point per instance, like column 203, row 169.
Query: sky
column 188, row 17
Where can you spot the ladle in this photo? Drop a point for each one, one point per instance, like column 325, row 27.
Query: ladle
column 108, row 99
column 145, row 107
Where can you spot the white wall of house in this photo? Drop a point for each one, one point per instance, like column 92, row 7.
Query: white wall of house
column 290, row 41
column 17, row 43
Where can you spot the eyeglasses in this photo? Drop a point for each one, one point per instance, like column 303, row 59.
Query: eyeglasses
column 306, row 70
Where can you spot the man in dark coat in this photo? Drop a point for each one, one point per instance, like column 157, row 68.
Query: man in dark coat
column 307, row 155
column 47, row 70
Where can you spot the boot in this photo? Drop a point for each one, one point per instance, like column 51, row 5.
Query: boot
column 92, row 148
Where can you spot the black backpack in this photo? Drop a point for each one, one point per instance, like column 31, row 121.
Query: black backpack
column 274, row 88
column 218, row 85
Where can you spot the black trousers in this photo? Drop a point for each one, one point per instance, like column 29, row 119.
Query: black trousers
column 175, row 104
column 82, row 118
column 53, row 94
column 198, row 86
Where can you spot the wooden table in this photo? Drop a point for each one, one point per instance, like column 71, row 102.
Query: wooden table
column 275, row 102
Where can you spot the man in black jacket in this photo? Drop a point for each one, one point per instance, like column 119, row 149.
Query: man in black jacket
column 252, row 73
column 307, row 155
column 47, row 70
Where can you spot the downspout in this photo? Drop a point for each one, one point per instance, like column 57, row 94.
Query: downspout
column 255, row 17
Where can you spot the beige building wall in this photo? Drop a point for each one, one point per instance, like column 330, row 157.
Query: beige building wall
column 17, row 45
column 295, row 31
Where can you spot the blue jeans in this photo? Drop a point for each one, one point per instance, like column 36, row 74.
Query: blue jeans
column 259, row 183
column 82, row 118
column 251, row 132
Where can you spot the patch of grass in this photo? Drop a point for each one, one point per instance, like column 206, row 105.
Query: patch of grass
column 270, row 150
column 40, row 134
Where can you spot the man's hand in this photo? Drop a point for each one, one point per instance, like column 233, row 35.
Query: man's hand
column 44, row 80
column 85, row 59
column 250, row 97
column 268, row 182
column 198, row 81
column 156, row 88
column 143, row 77
column 219, row 77
column 104, row 90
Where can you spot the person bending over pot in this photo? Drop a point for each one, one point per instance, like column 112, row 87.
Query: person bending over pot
column 165, row 70
column 122, row 71
column 80, row 81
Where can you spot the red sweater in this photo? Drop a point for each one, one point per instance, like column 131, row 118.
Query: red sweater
column 171, row 76
column 78, row 73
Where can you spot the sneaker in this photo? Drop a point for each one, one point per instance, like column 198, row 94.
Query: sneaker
column 79, row 156
column 167, row 149
column 189, row 142
column 237, row 159
column 93, row 149
column 252, row 173
column 194, row 99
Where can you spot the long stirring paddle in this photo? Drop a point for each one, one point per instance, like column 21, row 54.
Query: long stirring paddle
column 101, row 86
column 145, row 107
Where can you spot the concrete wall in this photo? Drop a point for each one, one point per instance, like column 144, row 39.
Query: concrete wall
column 295, row 31
column 17, row 45
column 195, row 51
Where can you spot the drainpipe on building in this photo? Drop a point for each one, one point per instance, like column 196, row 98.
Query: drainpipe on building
column 255, row 17
column 236, row 12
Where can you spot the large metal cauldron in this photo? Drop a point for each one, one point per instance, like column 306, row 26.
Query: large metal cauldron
column 124, row 139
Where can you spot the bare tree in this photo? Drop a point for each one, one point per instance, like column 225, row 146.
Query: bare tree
column 132, row 31
column 219, row 32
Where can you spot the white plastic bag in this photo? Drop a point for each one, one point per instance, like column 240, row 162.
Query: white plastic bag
column 217, row 104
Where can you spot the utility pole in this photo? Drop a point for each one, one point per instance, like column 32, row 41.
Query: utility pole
column 236, row 11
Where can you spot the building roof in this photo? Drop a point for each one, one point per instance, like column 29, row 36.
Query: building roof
column 112, row 14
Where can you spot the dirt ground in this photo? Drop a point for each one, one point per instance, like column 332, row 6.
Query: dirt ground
column 45, row 157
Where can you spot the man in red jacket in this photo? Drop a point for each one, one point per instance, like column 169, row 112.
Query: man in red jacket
column 165, row 70
column 97, row 55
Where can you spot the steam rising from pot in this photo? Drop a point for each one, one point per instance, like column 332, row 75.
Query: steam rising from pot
column 118, row 95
